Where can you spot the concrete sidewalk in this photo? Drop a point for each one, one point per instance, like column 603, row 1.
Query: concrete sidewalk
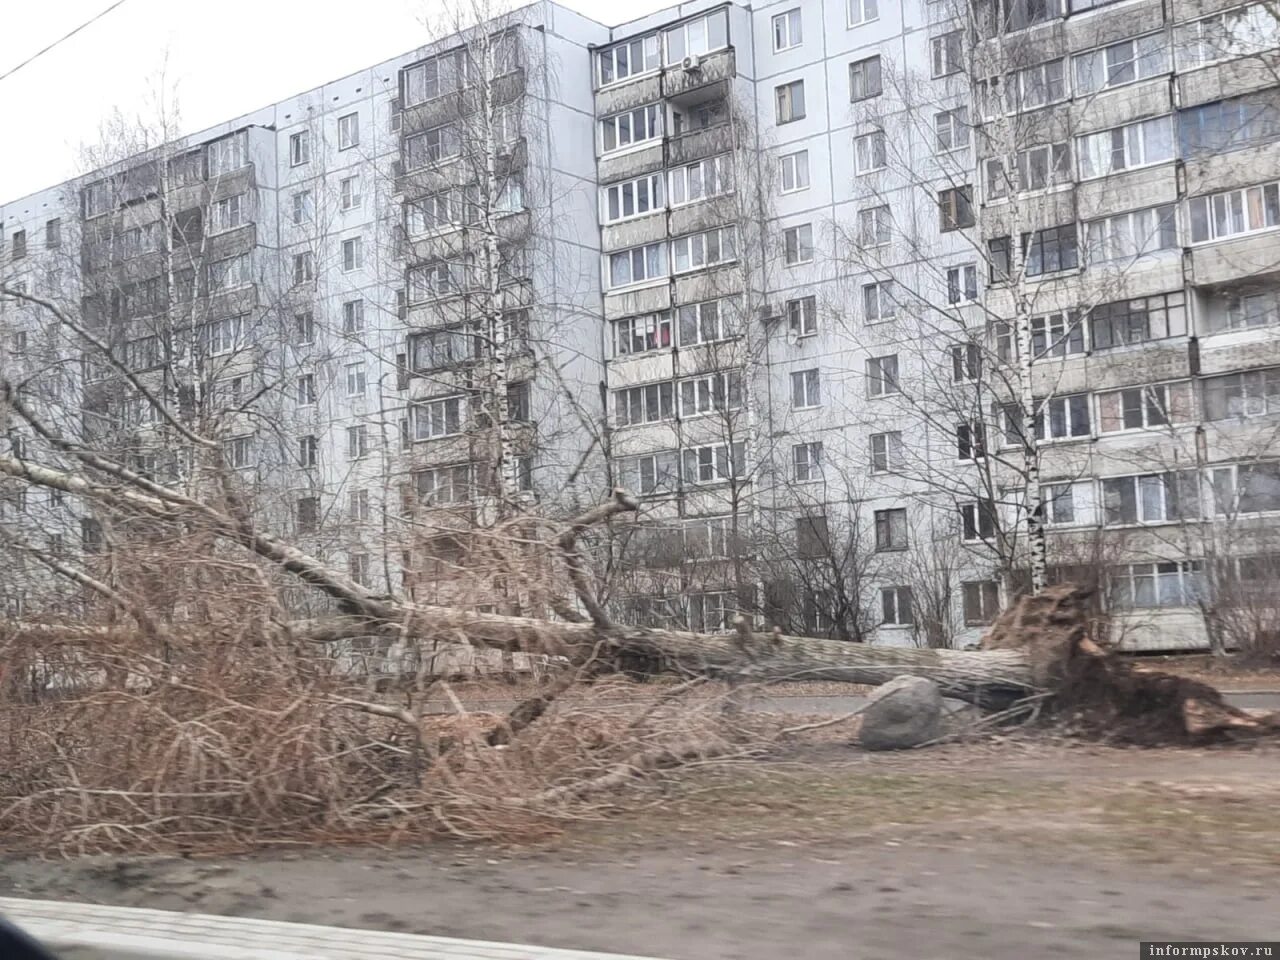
column 116, row 933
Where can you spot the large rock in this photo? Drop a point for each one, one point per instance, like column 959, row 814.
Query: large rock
column 903, row 713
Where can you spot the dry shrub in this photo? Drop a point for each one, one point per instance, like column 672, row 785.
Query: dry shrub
column 230, row 743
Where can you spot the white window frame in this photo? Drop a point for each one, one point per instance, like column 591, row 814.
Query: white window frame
column 1105, row 63
column 710, row 248
column 349, row 130
column 802, row 315
column 649, row 117
column 806, row 388
column 353, row 316
column 713, row 463
column 806, row 462
column 797, row 244
column 651, row 186
column 649, row 48
column 229, row 213
column 1188, row 574
column 653, row 331
column 892, row 611
column 357, row 441
column 859, row 12
column 300, row 148
column 879, row 384
column 789, row 104
column 886, row 451
column 1156, row 405
column 1070, row 416
column 788, row 32
column 1132, row 234
column 1136, row 143
column 222, row 336
column 352, row 254
column 946, row 53
column 865, row 73
column 710, row 393
column 881, row 218
column 870, row 152
column 965, row 277
column 709, row 177
column 349, row 192
column 879, row 301
column 356, row 379
column 956, row 124
column 440, row 417
column 650, row 401
column 695, row 35
column 1222, row 212
column 306, row 394
column 708, row 320
column 1060, row 334
column 653, row 257
column 795, row 167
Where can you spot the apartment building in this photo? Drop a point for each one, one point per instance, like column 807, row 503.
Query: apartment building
column 850, row 291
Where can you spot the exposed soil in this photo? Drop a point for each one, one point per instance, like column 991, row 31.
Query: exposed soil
column 1001, row 850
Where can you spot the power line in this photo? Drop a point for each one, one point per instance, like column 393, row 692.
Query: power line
column 41, row 53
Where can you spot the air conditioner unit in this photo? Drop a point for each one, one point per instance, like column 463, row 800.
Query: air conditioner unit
column 765, row 313
column 691, row 64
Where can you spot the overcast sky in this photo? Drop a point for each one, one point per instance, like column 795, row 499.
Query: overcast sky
column 223, row 58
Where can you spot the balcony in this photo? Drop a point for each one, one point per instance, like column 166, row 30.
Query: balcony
column 440, row 110
column 1249, row 257
column 699, row 144
column 712, row 68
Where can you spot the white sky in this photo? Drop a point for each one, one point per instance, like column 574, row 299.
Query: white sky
column 223, row 59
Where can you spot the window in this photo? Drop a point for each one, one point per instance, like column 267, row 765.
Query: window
column 432, row 212
column 786, row 30
column 443, row 485
column 1121, row 63
column 1068, row 503
column 698, row 181
column 715, row 462
column 704, row 249
column 789, row 101
column 999, row 253
column 806, row 461
column 875, row 226
column 349, row 192
column 1037, row 86
column 19, row 244
column 1127, row 236
column 637, row 265
column 886, row 451
column 631, row 128
column 1229, row 124
column 1234, row 212
column 1123, row 322
column 962, row 284
column 951, row 130
column 352, row 254
column 712, row 537
column 1246, row 488
column 440, row 278
column 864, row 79
column 221, row 336
column 227, row 155
column 971, row 440
column 1056, row 335
column 712, row 612
column 870, row 152
column 1060, row 418
column 947, row 53
column 802, row 316
column 978, row 521
column 1247, row 311
column 1036, row 168
column 639, row 334
column 702, row 323
column 353, row 316
column 891, row 529
column 1124, row 148
column 805, row 389
column 436, row 418
column 228, row 213
column 981, row 601
column 650, row 403
column 348, row 131
column 812, row 538
column 519, row 400
column 308, row 451
column 431, row 146
column 304, row 208
column 1254, row 393
column 355, row 379
column 862, row 11
column 1173, row 583
column 230, row 273
column 358, row 504
column 793, row 171
column 966, row 363
column 439, row 349
column 1138, row 408
column 358, row 568
column 711, row 393
column 1051, row 250
column 238, row 452
column 300, row 148
column 649, row 473
column 955, row 208
column 53, row 233
column 308, row 514
column 634, row 198
column 895, row 607
column 435, row 77
column 879, row 301
column 357, row 442
column 303, row 267
column 797, row 244
column 1244, row 31
column 630, row 59
column 882, row 375
column 306, row 389
column 697, row 37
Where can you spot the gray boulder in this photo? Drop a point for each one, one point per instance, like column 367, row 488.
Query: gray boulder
column 905, row 712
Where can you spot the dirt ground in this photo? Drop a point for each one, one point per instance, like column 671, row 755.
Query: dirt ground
column 1003, row 849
